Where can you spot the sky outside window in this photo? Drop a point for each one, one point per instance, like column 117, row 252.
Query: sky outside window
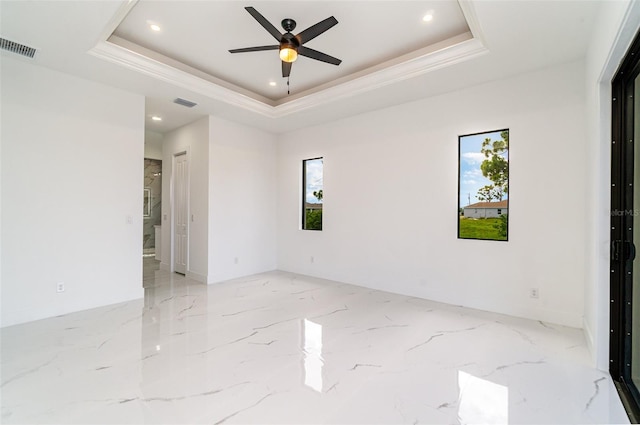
column 313, row 178
column 471, row 178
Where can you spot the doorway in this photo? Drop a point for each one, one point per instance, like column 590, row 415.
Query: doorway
column 624, row 343
column 180, row 204
column 151, row 217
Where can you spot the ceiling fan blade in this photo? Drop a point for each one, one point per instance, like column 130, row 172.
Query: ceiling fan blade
column 319, row 56
column 315, row 30
column 286, row 69
column 266, row 24
column 255, row 49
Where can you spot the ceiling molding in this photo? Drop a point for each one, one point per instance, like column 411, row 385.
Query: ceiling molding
column 187, row 80
column 117, row 18
column 470, row 15
column 448, row 52
column 456, row 52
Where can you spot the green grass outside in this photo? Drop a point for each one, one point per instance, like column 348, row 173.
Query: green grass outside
column 481, row 228
column 313, row 220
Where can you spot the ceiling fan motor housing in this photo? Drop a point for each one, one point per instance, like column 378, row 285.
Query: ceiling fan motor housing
column 289, row 40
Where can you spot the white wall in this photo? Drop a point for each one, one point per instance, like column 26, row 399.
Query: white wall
column 390, row 199
column 153, row 145
column 72, row 172
column 232, row 198
column 242, row 201
column 194, row 140
column 615, row 28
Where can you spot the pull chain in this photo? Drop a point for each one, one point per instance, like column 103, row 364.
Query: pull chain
column 288, row 85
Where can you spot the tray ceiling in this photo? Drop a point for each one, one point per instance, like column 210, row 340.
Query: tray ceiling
column 370, row 36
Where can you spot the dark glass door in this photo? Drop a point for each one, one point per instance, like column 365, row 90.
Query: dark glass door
column 625, row 207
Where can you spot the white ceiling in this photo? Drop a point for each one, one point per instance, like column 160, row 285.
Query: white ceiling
column 389, row 54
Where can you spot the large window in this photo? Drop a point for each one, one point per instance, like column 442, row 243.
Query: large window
column 312, row 194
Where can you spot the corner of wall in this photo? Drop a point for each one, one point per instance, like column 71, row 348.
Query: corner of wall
column 242, row 200
column 588, row 336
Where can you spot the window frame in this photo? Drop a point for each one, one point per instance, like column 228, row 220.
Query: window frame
column 303, row 222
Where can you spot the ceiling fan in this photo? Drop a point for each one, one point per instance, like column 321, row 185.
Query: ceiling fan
column 292, row 45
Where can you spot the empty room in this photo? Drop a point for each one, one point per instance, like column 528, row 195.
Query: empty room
column 306, row 212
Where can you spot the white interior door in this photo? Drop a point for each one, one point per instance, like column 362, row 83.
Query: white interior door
column 181, row 213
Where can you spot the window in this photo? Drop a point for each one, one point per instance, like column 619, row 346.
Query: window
column 312, row 194
column 483, row 183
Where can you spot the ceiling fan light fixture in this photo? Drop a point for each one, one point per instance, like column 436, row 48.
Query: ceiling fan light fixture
column 288, row 54
column 290, row 46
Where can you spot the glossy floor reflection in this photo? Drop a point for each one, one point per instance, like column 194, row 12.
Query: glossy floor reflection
column 283, row 348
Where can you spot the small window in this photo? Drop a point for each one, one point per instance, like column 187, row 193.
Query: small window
column 312, row 194
column 499, row 211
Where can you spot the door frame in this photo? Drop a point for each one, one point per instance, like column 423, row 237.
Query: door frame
column 173, row 207
column 622, row 224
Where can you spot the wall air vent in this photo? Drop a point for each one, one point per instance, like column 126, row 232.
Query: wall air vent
column 18, row 48
column 184, row 102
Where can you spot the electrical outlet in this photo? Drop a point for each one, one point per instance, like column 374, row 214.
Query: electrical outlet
column 311, row 260
column 235, row 260
column 534, row 293
column 60, row 287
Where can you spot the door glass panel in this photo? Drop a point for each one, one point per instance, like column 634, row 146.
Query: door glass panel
column 635, row 302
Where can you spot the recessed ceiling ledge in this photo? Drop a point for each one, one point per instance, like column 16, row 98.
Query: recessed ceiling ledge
column 453, row 54
column 153, row 68
column 448, row 52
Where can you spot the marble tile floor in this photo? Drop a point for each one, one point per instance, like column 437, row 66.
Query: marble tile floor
column 280, row 348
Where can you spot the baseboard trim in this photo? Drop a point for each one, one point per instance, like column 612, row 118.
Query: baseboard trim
column 197, row 277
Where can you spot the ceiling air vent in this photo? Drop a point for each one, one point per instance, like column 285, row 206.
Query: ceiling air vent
column 18, row 48
column 184, row 102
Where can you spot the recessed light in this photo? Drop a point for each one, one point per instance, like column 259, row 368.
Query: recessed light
column 156, row 118
column 154, row 27
column 428, row 17
column 272, row 83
